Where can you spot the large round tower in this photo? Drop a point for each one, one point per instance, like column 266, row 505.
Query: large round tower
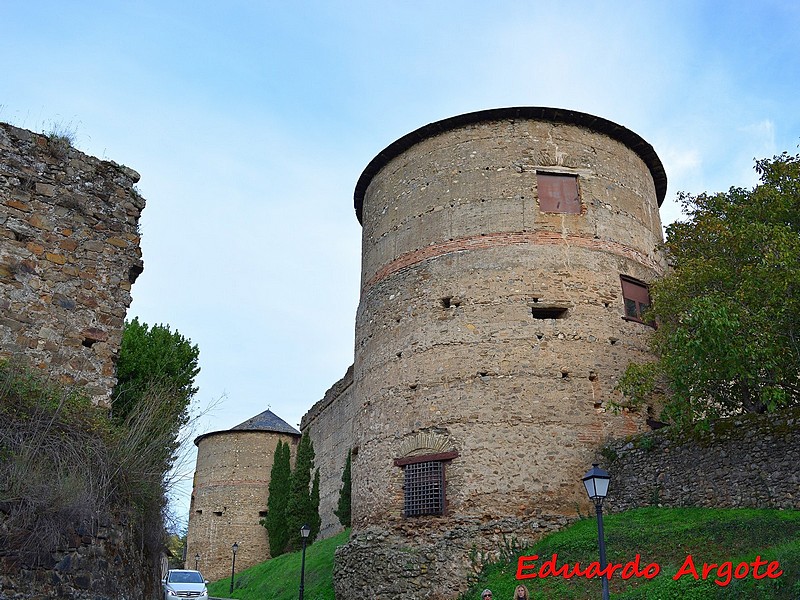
column 505, row 261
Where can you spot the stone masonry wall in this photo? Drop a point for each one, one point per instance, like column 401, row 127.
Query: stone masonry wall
column 747, row 461
column 102, row 562
column 69, row 252
column 330, row 425
column 231, row 490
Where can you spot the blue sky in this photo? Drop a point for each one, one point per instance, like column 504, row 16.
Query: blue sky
column 250, row 123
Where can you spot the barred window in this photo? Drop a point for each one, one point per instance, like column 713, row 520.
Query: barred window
column 424, row 483
column 424, row 488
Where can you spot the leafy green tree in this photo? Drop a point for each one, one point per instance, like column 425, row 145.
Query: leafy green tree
column 279, row 481
column 155, row 361
column 343, row 509
column 728, row 337
column 300, row 507
column 176, row 549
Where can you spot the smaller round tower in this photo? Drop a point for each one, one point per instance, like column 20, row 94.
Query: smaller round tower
column 230, row 493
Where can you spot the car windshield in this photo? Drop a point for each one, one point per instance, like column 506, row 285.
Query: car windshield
column 185, row 577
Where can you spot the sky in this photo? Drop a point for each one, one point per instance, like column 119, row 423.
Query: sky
column 251, row 121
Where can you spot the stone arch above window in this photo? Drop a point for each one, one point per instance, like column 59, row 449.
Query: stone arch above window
column 426, row 442
column 425, row 455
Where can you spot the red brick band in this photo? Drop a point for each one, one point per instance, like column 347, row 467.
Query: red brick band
column 497, row 240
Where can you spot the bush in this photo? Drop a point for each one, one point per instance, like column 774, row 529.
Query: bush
column 66, row 466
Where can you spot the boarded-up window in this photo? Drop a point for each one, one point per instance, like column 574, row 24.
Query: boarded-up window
column 636, row 297
column 558, row 193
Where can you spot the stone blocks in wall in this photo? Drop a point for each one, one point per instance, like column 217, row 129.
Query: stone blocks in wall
column 749, row 461
column 102, row 562
column 69, row 253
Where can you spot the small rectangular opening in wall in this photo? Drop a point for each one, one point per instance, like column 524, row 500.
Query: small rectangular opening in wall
column 218, row 513
column 548, row 312
column 262, row 513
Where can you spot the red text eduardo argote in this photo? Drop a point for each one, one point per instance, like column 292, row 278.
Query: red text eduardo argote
column 528, row 567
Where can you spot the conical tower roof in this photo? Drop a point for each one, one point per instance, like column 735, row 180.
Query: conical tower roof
column 267, row 421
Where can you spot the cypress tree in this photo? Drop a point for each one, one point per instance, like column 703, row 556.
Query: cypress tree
column 343, row 509
column 300, row 510
column 279, row 486
column 314, row 519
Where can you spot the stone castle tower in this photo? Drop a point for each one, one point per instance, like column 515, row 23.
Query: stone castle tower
column 230, row 493
column 505, row 261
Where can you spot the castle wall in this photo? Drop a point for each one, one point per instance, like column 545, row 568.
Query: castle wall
column 330, row 425
column 69, row 252
column 229, row 498
column 748, row 461
column 455, row 358
column 101, row 562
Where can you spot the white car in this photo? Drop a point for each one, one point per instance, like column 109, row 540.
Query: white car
column 181, row 583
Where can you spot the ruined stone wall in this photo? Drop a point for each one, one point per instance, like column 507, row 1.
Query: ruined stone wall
column 454, row 355
column 231, row 489
column 69, row 252
column 102, row 561
column 747, row 461
column 330, row 425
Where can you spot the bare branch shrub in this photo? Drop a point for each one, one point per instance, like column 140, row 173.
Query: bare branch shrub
column 65, row 466
column 55, row 471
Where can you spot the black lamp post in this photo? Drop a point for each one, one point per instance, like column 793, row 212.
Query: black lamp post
column 304, row 531
column 596, row 483
column 235, row 547
column 196, row 560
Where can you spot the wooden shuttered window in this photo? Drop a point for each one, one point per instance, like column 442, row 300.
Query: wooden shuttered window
column 636, row 297
column 558, row 193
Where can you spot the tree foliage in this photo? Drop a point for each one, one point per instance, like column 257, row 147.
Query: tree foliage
column 343, row 509
column 156, row 361
column 314, row 519
column 279, row 481
column 300, row 509
column 729, row 311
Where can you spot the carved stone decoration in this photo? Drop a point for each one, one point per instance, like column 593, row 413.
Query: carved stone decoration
column 426, row 442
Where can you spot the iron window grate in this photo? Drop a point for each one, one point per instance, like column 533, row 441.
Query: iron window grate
column 424, row 488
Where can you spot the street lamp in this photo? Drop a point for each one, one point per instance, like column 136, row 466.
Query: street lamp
column 304, row 531
column 235, row 547
column 196, row 560
column 596, row 483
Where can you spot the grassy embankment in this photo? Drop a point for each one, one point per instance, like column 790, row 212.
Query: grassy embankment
column 279, row 578
column 659, row 535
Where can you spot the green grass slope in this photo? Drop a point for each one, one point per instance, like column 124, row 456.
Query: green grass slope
column 664, row 536
column 279, row 578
